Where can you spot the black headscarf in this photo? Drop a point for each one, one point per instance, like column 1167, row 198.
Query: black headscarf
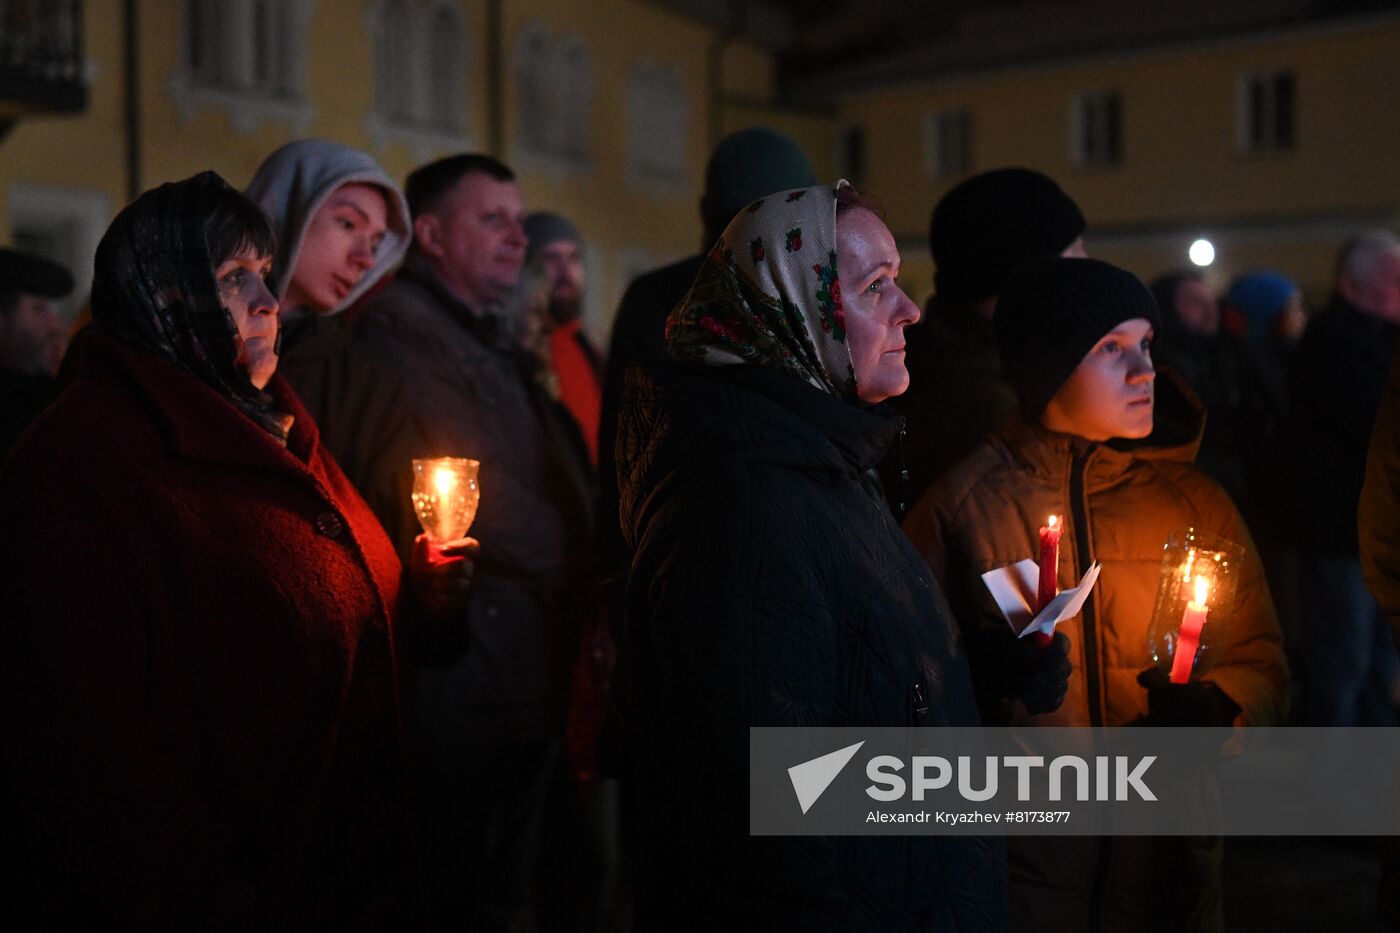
column 153, row 286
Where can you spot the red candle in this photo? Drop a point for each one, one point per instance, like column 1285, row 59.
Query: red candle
column 1189, row 635
column 1049, row 585
column 1049, row 562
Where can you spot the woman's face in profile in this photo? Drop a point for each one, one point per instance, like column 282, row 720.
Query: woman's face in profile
column 876, row 308
column 244, row 293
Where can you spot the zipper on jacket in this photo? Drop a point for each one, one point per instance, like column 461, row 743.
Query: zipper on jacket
column 901, row 505
column 1080, row 509
column 920, row 705
column 1079, row 506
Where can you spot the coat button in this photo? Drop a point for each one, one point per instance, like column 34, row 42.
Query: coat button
column 329, row 524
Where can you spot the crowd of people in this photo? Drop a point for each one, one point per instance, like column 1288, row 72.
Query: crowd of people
column 244, row 690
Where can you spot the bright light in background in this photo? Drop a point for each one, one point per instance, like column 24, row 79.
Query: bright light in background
column 1202, row 252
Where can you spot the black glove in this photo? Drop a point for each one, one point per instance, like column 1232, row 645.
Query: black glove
column 1194, row 703
column 1038, row 677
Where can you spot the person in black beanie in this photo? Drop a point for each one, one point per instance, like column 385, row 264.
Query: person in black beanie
column 1104, row 441
column 981, row 231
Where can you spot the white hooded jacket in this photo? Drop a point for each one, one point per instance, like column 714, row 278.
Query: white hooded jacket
column 293, row 183
column 360, row 405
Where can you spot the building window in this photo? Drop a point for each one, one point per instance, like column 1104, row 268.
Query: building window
column 1267, row 112
column 245, row 57
column 201, row 40
column 1096, row 129
column 259, row 63
column 533, row 91
column 573, row 80
column 421, row 63
column 393, row 53
column 947, row 140
column 658, row 130
column 446, row 103
column 554, row 98
column 272, row 65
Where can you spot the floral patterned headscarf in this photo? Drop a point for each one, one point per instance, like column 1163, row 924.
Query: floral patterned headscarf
column 768, row 294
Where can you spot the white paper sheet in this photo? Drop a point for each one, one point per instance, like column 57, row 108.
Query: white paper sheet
column 1014, row 589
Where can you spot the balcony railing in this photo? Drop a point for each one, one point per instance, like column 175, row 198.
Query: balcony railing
column 41, row 56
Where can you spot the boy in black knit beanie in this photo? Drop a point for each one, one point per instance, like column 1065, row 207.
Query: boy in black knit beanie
column 1106, row 442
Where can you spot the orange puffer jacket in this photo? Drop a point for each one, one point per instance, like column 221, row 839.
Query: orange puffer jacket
column 1120, row 503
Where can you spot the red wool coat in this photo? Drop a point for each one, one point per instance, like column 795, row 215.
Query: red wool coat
column 200, row 719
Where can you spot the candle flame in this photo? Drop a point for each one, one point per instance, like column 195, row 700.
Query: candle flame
column 1202, row 590
column 1190, row 561
column 1052, row 521
column 444, row 480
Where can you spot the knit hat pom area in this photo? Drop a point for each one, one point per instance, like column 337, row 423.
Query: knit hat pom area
column 1050, row 315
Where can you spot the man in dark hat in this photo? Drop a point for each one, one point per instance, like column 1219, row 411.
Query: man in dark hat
column 31, row 339
column 981, row 231
column 744, row 167
column 747, row 165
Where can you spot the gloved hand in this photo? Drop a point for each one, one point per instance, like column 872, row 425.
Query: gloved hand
column 1195, row 703
column 1038, row 677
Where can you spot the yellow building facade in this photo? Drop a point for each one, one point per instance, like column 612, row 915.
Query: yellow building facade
column 606, row 110
column 1185, row 165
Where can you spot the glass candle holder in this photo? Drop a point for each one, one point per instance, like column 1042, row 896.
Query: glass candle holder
column 445, row 496
column 1195, row 602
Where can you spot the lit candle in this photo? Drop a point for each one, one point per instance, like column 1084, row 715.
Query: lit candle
column 1049, row 562
column 1049, row 585
column 445, row 496
column 1189, row 635
column 444, row 480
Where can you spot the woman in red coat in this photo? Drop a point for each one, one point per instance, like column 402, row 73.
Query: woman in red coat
column 197, row 657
